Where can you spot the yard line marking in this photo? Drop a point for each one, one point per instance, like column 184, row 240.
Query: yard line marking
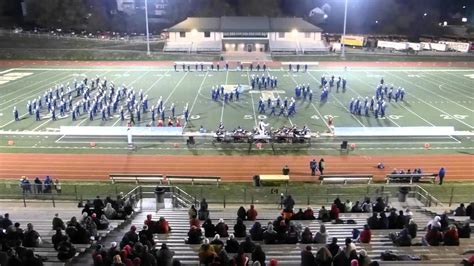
column 253, row 103
column 463, row 76
column 289, row 119
column 195, row 98
column 444, row 86
column 223, row 102
column 349, row 87
column 455, row 139
column 35, row 75
column 421, row 100
column 466, row 89
column 337, row 100
column 6, row 71
column 60, row 138
column 175, row 87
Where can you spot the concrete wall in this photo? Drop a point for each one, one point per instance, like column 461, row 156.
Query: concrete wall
column 295, row 36
column 194, row 37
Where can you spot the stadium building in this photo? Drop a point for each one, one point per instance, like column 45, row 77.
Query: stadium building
column 244, row 34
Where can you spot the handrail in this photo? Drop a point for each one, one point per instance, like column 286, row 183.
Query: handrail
column 429, row 198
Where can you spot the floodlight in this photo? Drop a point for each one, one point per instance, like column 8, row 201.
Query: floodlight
column 194, row 31
column 425, row 15
column 294, row 31
column 445, row 23
column 464, row 19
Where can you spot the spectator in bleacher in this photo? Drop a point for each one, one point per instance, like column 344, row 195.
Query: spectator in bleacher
column 291, row 235
column 209, row 228
column 13, row 236
column 242, row 213
column 206, row 253
column 258, row 255
column 435, row 222
column 460, row 211
column 110, row 212
column 58, row 223
column 392, row 219
column 323, row 257
column 31, row 237
column 130, row 237
column 298, row 215
column 31, row 259
column 270, row 235
column 365, row 235
column 232, row 245
column 111, row 252
column 323, row 215
column 412, row 228
column 240, row 230
column 38, row 185
column 150, row 223
column 194, row 235
column 402, row 239
column 464, row 230
column 339, row 204
column 102, row 223
column 99, row 260
column 401, row 220
column 346, row 255
column 348, row 206
column 288, row 204
column 433, row 236
column 164, row 256
column 222, row 258
column 117, row 261
column 99, row 251
column 145, row 236
column 256, row 232
column 444, row 221
column 87, row 208
column 192, row 212
column 408, row 215
column 222, row 228
column 163, row 226
column 356, row 207
column 334, row 213
column 307, row 257
column 379, row 205
column 66, row 250
column 307, row 236
column 308, row 214
column 98, row 205
column 203, row 212
column 366, row 206
column 252, row 213
column 89, row 225
column 5, row 222
column 58, row 238
column 321, row 237
column 451, row 237
column 76, row 232
column 355, row 234
column 248, row 246
column 470, row 211
column 217, row 243
column 195, row 222
column 333, row 247
column 383, row 221
column 373, row 221
column 364, row 259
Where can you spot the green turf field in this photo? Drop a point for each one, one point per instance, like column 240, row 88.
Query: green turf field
column 434, row 97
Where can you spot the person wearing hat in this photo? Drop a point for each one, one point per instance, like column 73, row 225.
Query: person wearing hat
column 307, row 257
column 130, row 238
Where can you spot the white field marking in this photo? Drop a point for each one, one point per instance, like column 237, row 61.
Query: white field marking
column 195, row 98
column 60, row 138
column 289, row 119
column 253, row 103
column 223, row 102
column 444, row 86
column 130, row 69
column 35, row 75
column 349, row 87
column 337, row 100
column 455, row 139
column 434, row 107
column 441, row 96
column 42, row 124
column 6, row 71
column 175, row 87
column 454, row 80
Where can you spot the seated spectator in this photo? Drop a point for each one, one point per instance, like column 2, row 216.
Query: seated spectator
column 232, row 245
column 242, row 213
column 270, row 235
column 347, row 254
column 364, row 259
column 98, row 205
column 117, row 261
column 222, row 228
column 307, row 236
column 356, row 207
column 151, row 224
column 383, row 221
column 464, row 231
column 130, row 237
column 307, row 257
column 99, row 251
column 89, row 225
column 435, row 222
column 252, row 213
column 258, row 255
column 222, row 258
column 298, row 216
column 31, row 259
column 110, row 212
column 206, row 253
column 247, row 245
column 66, row 251
column 470, row 211
column 451, row 237
column 103, row 223
column 291, row 235
column 392, row 219
column 379, row 205
column 194, row 222
column 333, row 247
column 412, row 228
column 324, row 257
column 366, row 206
column 323, row 215
column 98, row 260
column 444, row 221
column 209, row 228
column 433, row 236
column 58, row 238
column 408, row 215
column 192, row 212
column 164, row 256
column 240, row 229
column 217, row 243
column 77, row 233
column 287, row 215
column 308, row 214
column 460, row 211
column 194, row 235
column 401, row 220
column 111, row 252
column 203, row 212
column 145, row 236
column 348, row 206
column 58, row 223
column 321, row 237
column 31, row 237
column 373, row 221
column 365, row 235
column 355, row 234
column 163, row 226
column 256, row 232
column 469, row 261
column 339, row 204
column 5, row 222
column 334, row 213
column 240, row 259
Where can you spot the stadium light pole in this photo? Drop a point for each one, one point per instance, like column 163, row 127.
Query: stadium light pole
column 147, row 31
column 343, row 51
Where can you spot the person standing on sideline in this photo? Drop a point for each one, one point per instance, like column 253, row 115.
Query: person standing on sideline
column 313, row 165
column 441, row 174
column 321, row 166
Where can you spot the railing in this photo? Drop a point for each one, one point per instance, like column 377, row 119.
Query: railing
column 424, row 197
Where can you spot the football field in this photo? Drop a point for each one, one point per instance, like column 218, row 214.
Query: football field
column 434, row 97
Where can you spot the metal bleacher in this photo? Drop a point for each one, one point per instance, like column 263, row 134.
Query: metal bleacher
column 178, row 47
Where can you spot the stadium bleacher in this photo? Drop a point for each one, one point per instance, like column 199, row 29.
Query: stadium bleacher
column 183, row 47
